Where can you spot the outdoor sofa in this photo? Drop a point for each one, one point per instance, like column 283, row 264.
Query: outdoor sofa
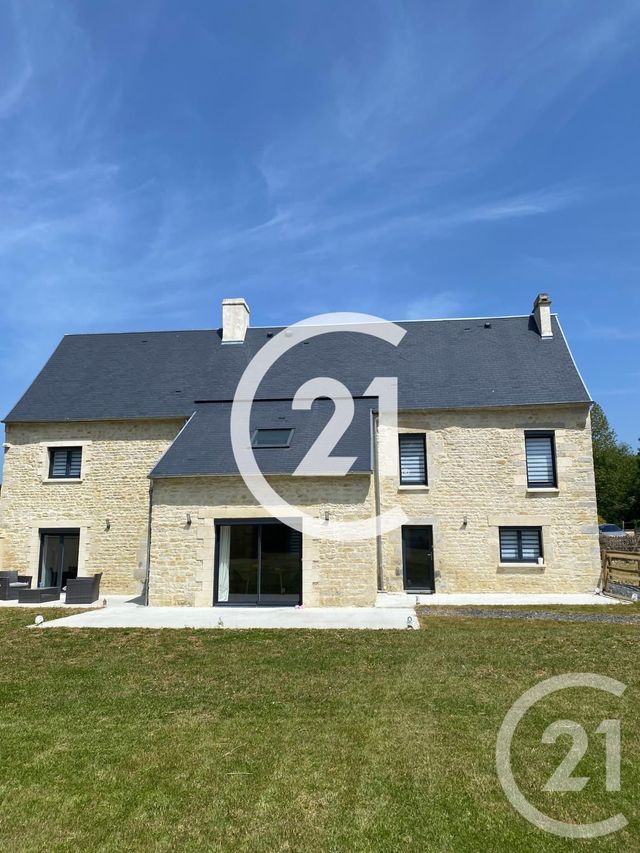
column 83, row 590
column 11, row 583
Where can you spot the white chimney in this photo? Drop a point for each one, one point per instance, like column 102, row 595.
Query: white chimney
column 235, row 320
column 542, row 315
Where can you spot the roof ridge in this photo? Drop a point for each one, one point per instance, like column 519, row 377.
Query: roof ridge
column 137, row 332
column 440, row 364
column 270, row 328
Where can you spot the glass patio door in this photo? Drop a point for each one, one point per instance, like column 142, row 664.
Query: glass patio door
column 417, row 558
column 280, row 565
column 258, row 564
column 238, row 563
column 58, row 557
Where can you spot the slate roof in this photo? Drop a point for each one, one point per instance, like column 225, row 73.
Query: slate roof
column 439, row 364
column 204, row 445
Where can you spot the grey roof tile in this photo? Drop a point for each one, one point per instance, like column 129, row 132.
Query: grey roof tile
column 204, row 445
column 439, row 364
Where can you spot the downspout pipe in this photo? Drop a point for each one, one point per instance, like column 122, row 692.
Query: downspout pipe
column 376, row 488
column 147, row 569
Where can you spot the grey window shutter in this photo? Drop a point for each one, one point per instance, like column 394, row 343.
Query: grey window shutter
column 509, row 547
column 75, row 462
column 520, row 544
column 540, row 467
column 58, row 463
column 65, row 462
column 413, row 461
column 530, row 545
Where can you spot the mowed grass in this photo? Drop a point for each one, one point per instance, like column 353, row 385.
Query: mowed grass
column 300, row 740
column 624, row 609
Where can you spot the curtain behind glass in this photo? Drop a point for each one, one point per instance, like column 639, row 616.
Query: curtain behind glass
column 223, row 562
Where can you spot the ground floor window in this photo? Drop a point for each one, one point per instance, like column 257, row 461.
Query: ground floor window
column 58, row 557
column 258, row 563
column 520, row 544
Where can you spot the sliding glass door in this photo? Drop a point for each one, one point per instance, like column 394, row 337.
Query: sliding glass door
column 258, row 563
column 58, row 557
column 280, row 565
column 238, row 563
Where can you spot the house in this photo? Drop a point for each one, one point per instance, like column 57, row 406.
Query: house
column 119, row 459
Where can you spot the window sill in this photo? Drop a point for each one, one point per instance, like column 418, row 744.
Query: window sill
column 63, row 480
column 416, row 488
column 517, row 566
column 544, row 490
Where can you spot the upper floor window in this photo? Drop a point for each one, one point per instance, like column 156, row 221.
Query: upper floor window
column 271, row 438
column 65, row 463
column 541, row 460
column 520, row 544
column 413, row 459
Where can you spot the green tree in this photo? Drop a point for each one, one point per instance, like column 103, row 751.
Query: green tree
column 617, row 471
column 635, row 507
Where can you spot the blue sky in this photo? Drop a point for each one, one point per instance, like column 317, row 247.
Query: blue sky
column 409, row 159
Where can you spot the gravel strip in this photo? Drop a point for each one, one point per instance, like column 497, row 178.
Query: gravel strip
column 497, row 613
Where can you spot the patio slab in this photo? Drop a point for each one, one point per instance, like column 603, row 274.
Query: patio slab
column 112, row 600
column 464, row 599
column 129, row 615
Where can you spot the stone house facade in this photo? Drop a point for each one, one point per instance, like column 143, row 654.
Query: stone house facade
column 120, row 458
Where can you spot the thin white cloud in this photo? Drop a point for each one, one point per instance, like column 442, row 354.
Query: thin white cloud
column 442, row 99
column 366, row 171
column 15, row 65
column 11, row 96
column 535, row 203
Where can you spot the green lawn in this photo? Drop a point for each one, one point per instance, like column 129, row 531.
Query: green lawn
column 300, row 740
column 623, row 608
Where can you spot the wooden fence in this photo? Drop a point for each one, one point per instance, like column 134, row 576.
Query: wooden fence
column 621, row 574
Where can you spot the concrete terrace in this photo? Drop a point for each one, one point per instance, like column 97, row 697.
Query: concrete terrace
column 123, row 612
column 490, row 599
column 393, row 611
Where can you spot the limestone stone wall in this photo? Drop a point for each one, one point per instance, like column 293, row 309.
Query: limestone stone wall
column 117, row 457
column 478, row 482
column 182, row 555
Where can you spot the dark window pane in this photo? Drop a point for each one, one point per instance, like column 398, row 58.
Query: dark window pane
column 243, row 562
column 271, row 437
column 417, row 555
column 58, row 559
column 281, row 564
